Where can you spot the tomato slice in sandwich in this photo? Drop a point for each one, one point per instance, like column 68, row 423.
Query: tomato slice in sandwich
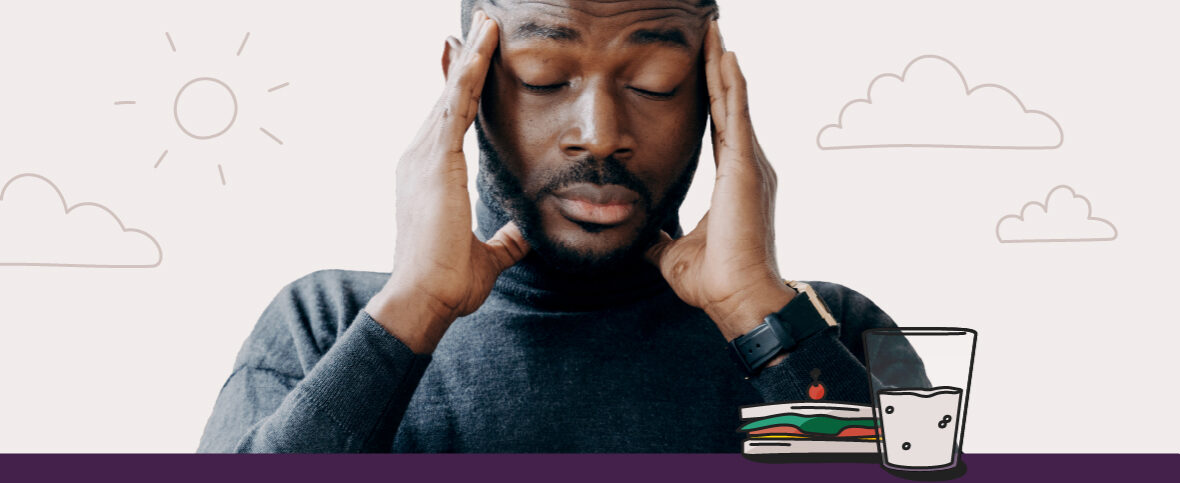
column 856, row 432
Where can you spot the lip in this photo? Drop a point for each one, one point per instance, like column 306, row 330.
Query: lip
column 609, row 204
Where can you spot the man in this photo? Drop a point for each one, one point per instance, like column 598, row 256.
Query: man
column 580, row 318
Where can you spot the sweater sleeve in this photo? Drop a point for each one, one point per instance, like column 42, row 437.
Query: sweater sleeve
column 837, row 352
column 310, row 379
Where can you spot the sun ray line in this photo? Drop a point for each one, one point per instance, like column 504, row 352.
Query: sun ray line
column 120, row 103
column 243, row 43
column 272, row 136
column 170, row 43
column 222, row 173
column 161, row 160
column 280, row 86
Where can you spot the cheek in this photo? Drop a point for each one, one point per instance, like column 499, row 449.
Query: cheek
column 509, row 125
column 669, row 142
column 524, row 131
column 667, row 165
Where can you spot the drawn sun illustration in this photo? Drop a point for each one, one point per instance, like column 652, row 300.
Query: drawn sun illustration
column 206, row 107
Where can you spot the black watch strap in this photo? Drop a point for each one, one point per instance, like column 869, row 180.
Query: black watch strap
column 804, row 316
column 756, row 347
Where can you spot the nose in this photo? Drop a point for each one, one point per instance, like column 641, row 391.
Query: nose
column 598, row 125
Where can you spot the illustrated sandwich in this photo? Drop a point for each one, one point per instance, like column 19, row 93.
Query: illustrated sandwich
column 808, row 428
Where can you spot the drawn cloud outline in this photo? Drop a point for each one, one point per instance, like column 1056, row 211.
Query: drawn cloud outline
column 868, row 99
column 1045, row 207
column 67, row 209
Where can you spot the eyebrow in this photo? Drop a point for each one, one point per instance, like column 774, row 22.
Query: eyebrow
column 672, row 37
column 532, row 30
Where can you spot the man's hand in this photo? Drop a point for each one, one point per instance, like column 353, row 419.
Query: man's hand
column 441, row 270
column 726, row 265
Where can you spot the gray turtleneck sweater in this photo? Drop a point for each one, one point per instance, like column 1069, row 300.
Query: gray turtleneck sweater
column 549, row 363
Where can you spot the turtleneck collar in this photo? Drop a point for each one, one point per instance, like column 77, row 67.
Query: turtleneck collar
column 535, row 283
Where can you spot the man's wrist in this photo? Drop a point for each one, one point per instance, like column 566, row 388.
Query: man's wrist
column 746, row 310
column 409, row 318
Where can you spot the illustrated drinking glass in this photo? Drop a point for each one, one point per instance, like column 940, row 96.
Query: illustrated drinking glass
column 920, row 380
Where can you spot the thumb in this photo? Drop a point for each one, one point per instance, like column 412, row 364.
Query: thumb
column 656, row 252
column 507, row 246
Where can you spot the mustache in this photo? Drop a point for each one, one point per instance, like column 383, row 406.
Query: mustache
column 590, row 169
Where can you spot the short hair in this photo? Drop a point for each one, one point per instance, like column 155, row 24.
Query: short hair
column 468, row 6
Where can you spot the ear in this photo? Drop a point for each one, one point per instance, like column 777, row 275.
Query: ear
column 452, row 48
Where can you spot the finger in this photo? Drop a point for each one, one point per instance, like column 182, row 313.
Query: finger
column 737, row 157
column 462, row 95
column 656, row 252
column 716, row 87
column 439, row 128
column 739, row 194
column 736, row 103
column 466, row 49
column 507, row 247
column 480, row 59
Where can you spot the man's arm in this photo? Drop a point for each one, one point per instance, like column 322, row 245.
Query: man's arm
column 313, row 378
column 726, row 266
column 838, row 353
column 353, row 398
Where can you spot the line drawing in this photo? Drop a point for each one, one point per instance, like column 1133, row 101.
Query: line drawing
column 67, row 209
column 272, row 136
column 176, row 108
column 916, row 374
column 1041, row 223
column 207, row 114
column 161, row 160
column 808, row 431
column 1007, row 129
column 247, row 37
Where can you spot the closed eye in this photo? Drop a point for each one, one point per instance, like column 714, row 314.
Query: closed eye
column 654, row 95
column 542, row 89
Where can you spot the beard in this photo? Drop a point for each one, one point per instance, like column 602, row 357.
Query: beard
column 503, row 191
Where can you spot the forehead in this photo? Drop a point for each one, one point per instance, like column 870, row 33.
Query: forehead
column 675, row 24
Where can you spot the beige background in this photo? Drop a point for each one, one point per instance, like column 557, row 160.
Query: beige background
column 132, row 359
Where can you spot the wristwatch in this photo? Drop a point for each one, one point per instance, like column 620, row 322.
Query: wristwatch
column 804, row 316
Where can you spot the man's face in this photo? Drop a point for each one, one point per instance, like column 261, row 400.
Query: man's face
column 591, row 123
